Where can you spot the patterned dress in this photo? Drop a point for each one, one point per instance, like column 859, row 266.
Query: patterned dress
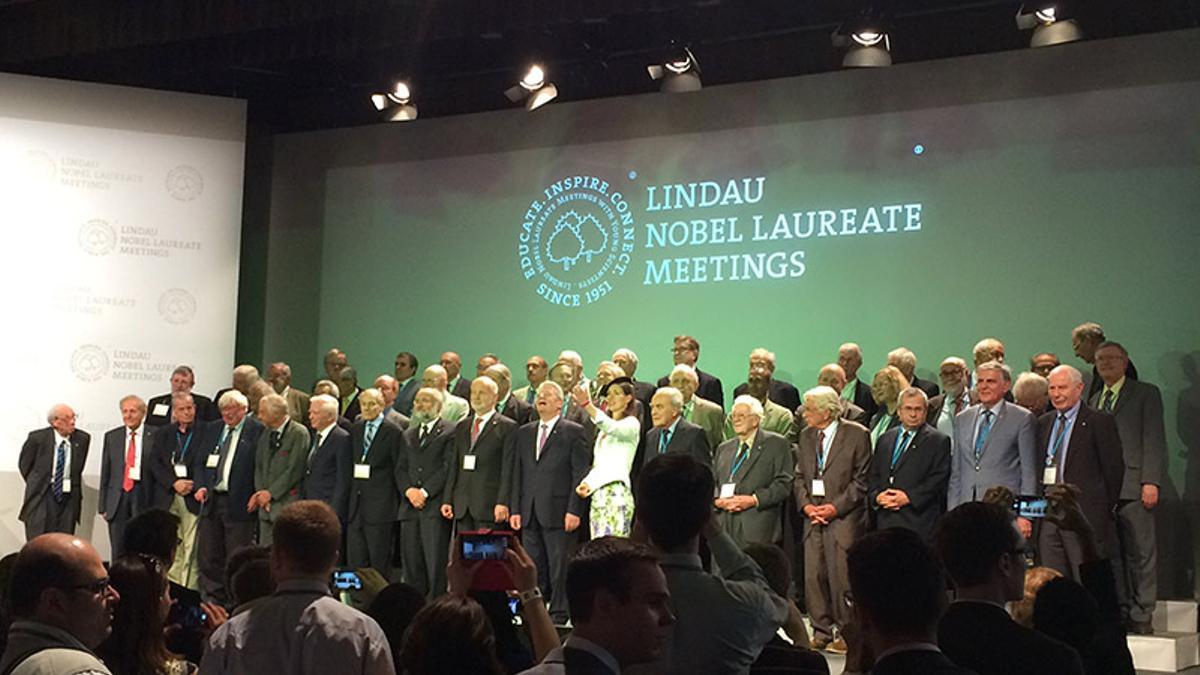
column 612, row 500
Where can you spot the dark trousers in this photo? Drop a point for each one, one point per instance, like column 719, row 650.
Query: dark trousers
column 56, row 517
column 549, row 547
column 425, row 550
column 125, row 511
column 1137, row 571
column 217, row 535
column 1059, row 550
column 370, row 545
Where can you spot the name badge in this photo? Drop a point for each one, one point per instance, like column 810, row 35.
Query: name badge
column 66, row 485
column 818, row 488
column 1049, row 475
column 181, row 471
column 161, row 410
column 362, row 471
column 727, row 490
column 212, row 461
column 468, row 462
column 135, row 473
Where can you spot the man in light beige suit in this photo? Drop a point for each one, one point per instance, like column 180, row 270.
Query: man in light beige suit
column 705, row 414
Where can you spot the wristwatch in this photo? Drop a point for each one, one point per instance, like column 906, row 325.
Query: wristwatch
column 525, row 597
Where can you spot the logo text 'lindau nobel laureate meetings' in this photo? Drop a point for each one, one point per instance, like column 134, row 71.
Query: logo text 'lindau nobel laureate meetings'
column 574, row 236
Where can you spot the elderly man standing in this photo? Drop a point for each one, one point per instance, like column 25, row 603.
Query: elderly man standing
column 279, row 463
column 776, row 418
column 536, row 372
column 347, row 383
column 335, row 360
column 627, row 359
column 480, row 475
column 672, row 433
column 62, row 605
column 374, row 499
column 1138, row 410
column 421, row 468
column 127, row 472
column 51, row 462
column 904, row 359
column 453, row 407
column 783, row 393
column 244, row 377
column 833, row 459
column 279, row 375
column 390, row 388
column 329, row 466
column 850, row 358
column 687, row 352
column 703, row 413
column 1085, row 339
column 1032, row 392
column 754, row 475
column 183, row 379
column 512, row 407
column 945, row 407
column 175, row 447
column 906, row 485
column 407, row 381
column 832, row 376
column 455, row 384
column 994, row 444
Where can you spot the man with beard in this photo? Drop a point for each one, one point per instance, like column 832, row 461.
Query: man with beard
column 421, row 468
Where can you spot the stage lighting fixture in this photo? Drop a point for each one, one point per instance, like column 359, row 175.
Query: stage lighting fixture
column 396, row 105
column 1052, row 23
column 679, row 72
column 533, row 88
column 866, row 41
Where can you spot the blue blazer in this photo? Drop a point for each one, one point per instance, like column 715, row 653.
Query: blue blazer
column 241, row 474
column 330, row 467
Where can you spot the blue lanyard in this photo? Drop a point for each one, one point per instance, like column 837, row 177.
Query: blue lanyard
column 1063, row 424
column 183, row 451
column 738, row 464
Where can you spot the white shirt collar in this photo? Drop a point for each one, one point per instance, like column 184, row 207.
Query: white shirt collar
column 550, row 423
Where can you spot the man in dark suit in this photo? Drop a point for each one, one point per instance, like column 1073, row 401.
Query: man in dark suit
column 280, row 460
column 347, row 384
column 127, row 483
column 183, row 379
column 508, row 405
column 1138, row 410
column 174, row 449
column 899, row 593
column 1082, row 447
column 687, row 352
column 279, row 376
column 551, row 456
column 904, row 359
column 783, row 393
column 850, row 359
column 455, row 383
column 627, row 359
column 754, row 477
column 672, row 433
column 984, row 554
column 374, row 499
column 480, row 462
column 906, row 486
column 1086, row 338
column 831, row 482
column 390, row 388
column 409, row 383
column 329, row 466
column 51, row 463
column 225, row 483
column 245, row 376
column 421, row 468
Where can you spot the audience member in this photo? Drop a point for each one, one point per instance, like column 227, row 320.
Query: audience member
column 394, row 608
column 788, row 650
column 137, row 645
column 1035, row 577
column 248, row 576
column 452, row 634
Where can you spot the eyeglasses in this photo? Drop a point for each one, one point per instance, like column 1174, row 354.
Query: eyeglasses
column 96, row 587
column 848, row 598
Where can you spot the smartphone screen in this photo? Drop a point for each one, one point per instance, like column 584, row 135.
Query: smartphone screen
column 484, row 547
column 345, row 580
column 1030, row 507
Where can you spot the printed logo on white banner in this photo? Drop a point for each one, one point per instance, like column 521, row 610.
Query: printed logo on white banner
column 89, row 363
column 185, row 183
column 97, row 237
column 176, row 306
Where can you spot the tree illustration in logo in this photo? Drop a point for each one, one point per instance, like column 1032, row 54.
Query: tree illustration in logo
column 574, row 237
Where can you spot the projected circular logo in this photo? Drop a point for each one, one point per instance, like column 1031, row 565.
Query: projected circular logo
column 89, row 363
column 97, row 237
column 575, row 238
column 185, row 183
column 176, row 306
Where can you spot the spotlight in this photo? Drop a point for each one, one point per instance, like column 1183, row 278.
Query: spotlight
column 1052, row 23
column 679, row 72
column 866, row 41
column 533, row 88
column 396, row 105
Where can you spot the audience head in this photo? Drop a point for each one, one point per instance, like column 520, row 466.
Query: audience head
column 328, row 388
column 549, row 400
column 370, row 403
column 233, row 406
column 686, row 350
column 992, row 381
column 435, row 377
column 182, row 380
column 897, row 587
column 183, row 409
column 822, row 407
column 536, row 370
column 486, row 361
column 59, row 580
column 306, row 540
column 1085, row 338
column 1035, row 578
column 154, row 532
column 562, row 373
column 675, row 493
column 279, row 375
column 335, row 360
column 427, row 405
column 1067, row 612
column 887, row 385
column 244, row 377
column 775, row 567
column 913, row 406
column 272, row 410
column 627, row 359
column 393, row 609
column 1043, row 363
column 1065, row 387
column 762, row 359
column 389, row 387
column 988, row 349
column 666, row 406
column 133, row 411
column 62, row 418
column 833, row 376
column 684, row 378
column 405, row 366
column 954, row 375
column 746, row 416
column 1111, row 361
column 1032, row 392
column 248, row 574
column 137, row 644
column 322, row 411
column 452, row 634
column 484, row 394
column 905, row 360
column 452, row 363
column 850, row 359
column 619, row 600
column 982, row 550
column 502, row 376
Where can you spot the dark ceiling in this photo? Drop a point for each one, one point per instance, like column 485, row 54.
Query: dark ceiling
column 312, row 64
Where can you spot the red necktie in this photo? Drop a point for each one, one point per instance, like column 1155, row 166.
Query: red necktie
column 130, row 459
column 475, row 430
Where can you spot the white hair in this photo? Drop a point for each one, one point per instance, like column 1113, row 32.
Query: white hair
column 232, row 398
column 551, row 384
column 686, row 370
column 755, row 406
column 1031, row 383
column 324, row 403
column 1005, row 371
column 675, row 394
column 824, row 398
column 763, row 352
column 1073, row 374
column 629, row 354
column 488, row 383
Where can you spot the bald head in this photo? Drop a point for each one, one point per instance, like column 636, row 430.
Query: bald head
column 833, row 376
column 59, row 579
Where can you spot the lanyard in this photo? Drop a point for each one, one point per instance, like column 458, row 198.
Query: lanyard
column 741, row 459
column 182, row 449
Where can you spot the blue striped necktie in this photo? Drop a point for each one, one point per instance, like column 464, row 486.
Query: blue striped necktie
column 60, row 459
column 984, row 429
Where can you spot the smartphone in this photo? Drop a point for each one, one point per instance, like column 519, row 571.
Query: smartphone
column 1030, row 507
column 347, row 580
column 484, row 546
column 193, row 618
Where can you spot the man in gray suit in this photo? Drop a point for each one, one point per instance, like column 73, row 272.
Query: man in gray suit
column 754, row 477
column 1138, row 410
column 703, row 413
column 51, row 462
column 834, row 456
column 280, row 460
column 994, row 444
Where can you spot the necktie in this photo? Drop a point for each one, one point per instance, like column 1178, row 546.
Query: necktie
column 224, row 451
column 664, row 439
column 1059, row 435
column 475, row 430
column 130, row 460
column 1107, row 405
column 424, row 433
column 275, row 439
column 821, row 451
column 981, row 438
column 743, row 451
column 368, row 438
column 316, row 443
column 898, row 452
column 542, row 439
column 60, row 459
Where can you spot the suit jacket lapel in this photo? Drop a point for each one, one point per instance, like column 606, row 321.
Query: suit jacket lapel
column 755, row 451
column 912, row 445
column 1078, row 429
column 1126, row 391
